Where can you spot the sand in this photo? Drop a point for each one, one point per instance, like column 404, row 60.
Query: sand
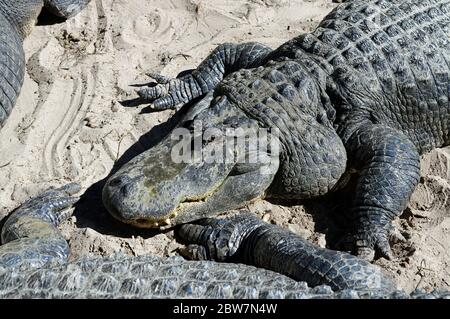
column 69, row 124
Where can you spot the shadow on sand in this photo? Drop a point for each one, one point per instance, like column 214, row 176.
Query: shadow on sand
column 89, row 210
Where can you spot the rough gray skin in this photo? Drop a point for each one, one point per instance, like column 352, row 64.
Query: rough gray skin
column 321, row 101
column 367, row 92
column 34, row 263
column 17, row 17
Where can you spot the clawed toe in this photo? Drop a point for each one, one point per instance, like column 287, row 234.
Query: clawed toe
column 216, row 239
column 194, row 252
column 365, row 253
column 396, row 237
column 53, row 204
column 160, row 79
column 152, row 93
column 70, row 189
column 158, row 96
column 62, row 203
column 377, row 247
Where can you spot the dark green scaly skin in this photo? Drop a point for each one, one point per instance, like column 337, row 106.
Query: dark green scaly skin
column 34, row 263
column 366, row 92
column 17, row 17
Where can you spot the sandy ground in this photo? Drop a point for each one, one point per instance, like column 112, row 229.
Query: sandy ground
column 68, row 124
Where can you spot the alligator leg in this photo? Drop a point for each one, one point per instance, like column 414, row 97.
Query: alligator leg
column 388, row 163
column 65, row 8
column 225, row 59
column 30, row 236
column 246, row 239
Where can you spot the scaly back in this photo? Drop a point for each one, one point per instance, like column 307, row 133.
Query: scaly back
column 389, row 61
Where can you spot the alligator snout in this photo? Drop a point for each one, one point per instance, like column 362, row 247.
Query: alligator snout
column 120, row 185
column 119, row 181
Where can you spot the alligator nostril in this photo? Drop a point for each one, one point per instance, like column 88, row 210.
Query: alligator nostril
column 125, row 190
column 119, row 181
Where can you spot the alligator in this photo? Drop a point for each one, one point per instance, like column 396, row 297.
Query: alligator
column 362, row 93
column 17, row 19
column 360, row 97
column 34, row 262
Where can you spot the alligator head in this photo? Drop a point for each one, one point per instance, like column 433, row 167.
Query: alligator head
column 200, row 169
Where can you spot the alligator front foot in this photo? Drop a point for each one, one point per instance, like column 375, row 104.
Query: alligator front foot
column 217, row 239
column 30, row 238
column 50, row 208
column 388, row 166
column 246, row 239
column 377, row 240
column 166, row 94
column 226, row 58
column 371, row 241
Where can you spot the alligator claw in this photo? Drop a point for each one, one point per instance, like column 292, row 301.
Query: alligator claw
column 62, row 203
column 203, row 238
column 51, row 207
column 70, row 189
column 368, row 254
column 365, row 253
column 160, row 79
column 194, row 252
column 367, row 246
column 217, row 239
column 159, row 96
column 54, row 202
column 166, row 93
column 152, row 93
column 58, row 198
column 396, row 237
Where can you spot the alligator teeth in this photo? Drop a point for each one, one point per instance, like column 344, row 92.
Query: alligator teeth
column 156, row 225
column 175, row 214
column 168, row 221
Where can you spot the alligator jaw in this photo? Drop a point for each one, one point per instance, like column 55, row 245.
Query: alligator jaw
column 153, row 192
